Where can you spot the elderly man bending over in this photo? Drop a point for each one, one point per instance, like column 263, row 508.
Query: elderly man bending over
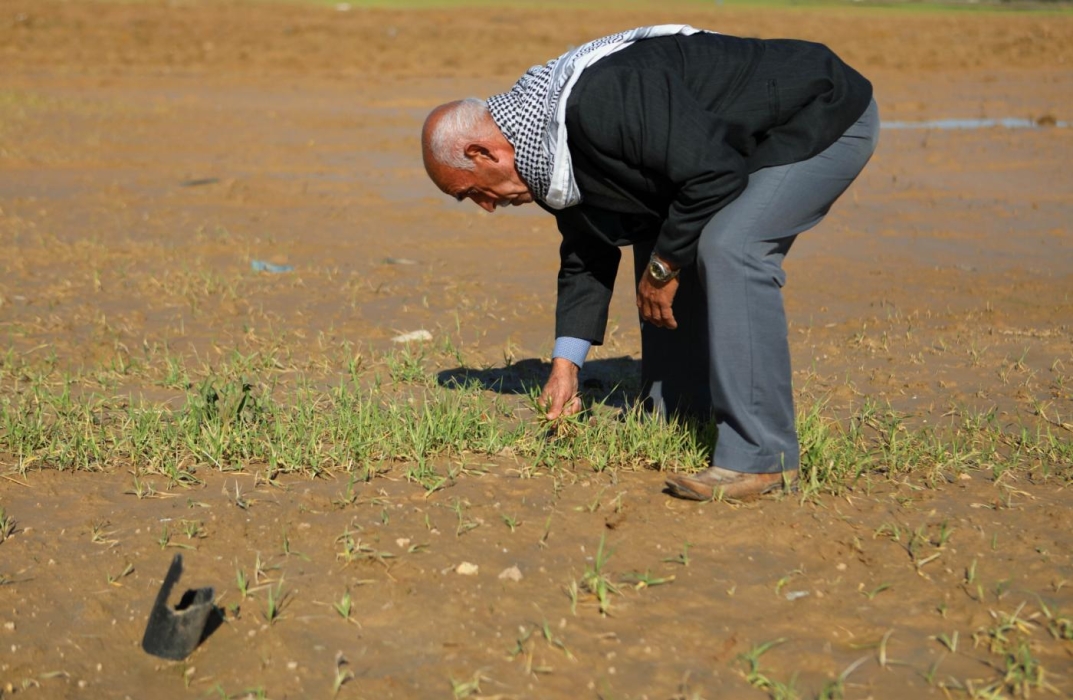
column 708, row 154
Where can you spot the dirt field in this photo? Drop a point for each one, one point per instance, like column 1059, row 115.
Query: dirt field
column 150, row 152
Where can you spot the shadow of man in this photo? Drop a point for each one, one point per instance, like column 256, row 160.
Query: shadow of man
column 613, row 382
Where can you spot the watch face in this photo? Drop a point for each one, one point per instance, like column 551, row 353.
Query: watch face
column 658, row 272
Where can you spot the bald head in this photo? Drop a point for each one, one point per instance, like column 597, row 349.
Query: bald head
column 468, row 157
column 450, row 128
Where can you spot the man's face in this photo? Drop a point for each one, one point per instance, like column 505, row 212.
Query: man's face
column 492, row 183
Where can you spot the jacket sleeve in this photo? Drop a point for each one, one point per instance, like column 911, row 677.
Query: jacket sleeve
column 649, row 121
column 587, row 270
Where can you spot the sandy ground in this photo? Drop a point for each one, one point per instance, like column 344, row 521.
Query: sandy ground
column 149, row 152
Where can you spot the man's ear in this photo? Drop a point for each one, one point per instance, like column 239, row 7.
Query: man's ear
column 477, row 151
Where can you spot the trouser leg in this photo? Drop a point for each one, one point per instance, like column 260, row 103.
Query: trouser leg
column 739, row 262
column 750, row 374
column 739, row 278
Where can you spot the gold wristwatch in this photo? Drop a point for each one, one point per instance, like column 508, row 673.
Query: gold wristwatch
column 660, row 271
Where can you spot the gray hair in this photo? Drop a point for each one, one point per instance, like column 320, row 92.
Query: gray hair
column 460, row 122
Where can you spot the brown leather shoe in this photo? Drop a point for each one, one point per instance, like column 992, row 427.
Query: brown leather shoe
column 716, row 482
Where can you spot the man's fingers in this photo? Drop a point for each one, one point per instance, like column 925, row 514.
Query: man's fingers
column 557, row 406
column 573, row 406
column 659, row 316
column 651, row 313
column 552, row 405
column 569, row 407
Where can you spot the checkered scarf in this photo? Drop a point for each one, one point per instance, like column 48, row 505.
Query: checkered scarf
column 532, row 114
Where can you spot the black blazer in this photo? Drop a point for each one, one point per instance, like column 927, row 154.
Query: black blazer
column 664, row 133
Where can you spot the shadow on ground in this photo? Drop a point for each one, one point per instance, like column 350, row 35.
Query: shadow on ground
column 613, row 382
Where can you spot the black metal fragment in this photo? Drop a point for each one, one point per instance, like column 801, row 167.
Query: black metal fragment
column 175, row 633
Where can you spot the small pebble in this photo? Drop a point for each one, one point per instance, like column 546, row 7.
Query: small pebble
column 466, row 569
column 511, row 574
column 412, row 336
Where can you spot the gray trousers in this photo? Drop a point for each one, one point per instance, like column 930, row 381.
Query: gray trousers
column 729, row 358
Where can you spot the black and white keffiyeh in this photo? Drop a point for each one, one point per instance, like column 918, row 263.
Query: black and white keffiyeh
column 532, row 113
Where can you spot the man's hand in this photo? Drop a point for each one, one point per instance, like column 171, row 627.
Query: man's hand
column 560, row 395
column 654, row 301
